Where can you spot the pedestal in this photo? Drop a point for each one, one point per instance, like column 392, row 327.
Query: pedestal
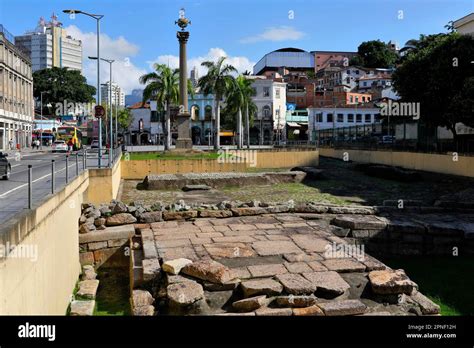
column 184, row 141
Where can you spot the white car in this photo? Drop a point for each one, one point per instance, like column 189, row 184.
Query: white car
column 60, row 146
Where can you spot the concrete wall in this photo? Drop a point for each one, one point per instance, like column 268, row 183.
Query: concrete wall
column 104, row 184
column 44, row 286
column 437, row 163
column 275, row 158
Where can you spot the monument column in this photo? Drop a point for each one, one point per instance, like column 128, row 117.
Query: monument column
column 183, row 118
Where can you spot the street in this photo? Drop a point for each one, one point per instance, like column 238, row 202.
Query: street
column 14, row 192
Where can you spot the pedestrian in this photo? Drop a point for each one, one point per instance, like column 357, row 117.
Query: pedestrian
column 69, row 143
column 11, row 144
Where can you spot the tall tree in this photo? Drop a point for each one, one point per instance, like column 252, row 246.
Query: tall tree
column 438, row 74
column 162, row 85
column 217, row 81
column 239, row 99
column 59, row 86
column 374, row 54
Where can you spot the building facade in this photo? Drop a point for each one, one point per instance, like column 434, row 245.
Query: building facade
column 118, row 97
column 16, row 94
column 465, row 25
column 340, row 117
column 270, row 119
column 48, row 45
column 293, row 59
column 202, row 110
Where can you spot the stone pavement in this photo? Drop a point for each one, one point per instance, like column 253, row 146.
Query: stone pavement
column 270, row 264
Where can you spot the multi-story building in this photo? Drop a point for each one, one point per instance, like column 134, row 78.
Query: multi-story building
column 270, row 99
column 48, row 45
column 367, row 82
column 16, row 94
column 292, row 59
column 326, row 59
column 201, row 108
column 118, row 97
column 194, row 76
column 342, row 116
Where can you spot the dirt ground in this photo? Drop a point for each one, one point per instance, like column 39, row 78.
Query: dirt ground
column 341, row 185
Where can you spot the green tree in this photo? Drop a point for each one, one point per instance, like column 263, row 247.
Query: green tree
column 162, row 85
column 124, row 118
column 238, row 99
column 438, row 74
column 374, row 54
column 217, row 81
column 61, row 85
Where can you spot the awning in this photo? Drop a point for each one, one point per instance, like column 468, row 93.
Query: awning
column 293, row 124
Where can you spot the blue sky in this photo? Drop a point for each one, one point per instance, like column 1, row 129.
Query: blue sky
column 139, row 32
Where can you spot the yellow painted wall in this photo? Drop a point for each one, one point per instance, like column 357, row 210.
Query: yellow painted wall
column 437, row 163
column 104, row 184
column 44, row 287
column 138, row 169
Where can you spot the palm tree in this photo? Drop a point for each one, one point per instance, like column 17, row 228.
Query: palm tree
column 217, row 81
column 239, row 97
column 162, row 86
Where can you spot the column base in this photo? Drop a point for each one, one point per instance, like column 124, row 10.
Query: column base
column 184, row 143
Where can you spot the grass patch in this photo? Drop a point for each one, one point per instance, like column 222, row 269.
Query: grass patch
column 446, row 280
column 138, row 156
column 299, row 192
column 113, row 295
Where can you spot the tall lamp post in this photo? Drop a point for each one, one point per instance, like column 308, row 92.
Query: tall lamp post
column 110, row 61
column 97, row 17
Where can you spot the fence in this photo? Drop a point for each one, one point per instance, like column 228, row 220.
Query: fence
column 33, row 178
column 377, row 137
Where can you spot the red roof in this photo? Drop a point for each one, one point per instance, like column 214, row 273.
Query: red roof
column 140, row 105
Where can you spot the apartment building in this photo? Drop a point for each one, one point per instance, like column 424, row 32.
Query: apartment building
column 48, row 45
column 118, row 97
column 16, row 94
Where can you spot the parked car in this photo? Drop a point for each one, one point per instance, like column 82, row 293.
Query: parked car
column 95, row 144
column 387, row 139
column 5, row 166
column 60, row 146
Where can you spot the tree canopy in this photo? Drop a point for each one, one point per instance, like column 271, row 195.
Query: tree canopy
column 374, row 54
column 61, row 84
column 438, row 74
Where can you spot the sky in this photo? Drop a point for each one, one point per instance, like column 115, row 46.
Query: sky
column 138, row 33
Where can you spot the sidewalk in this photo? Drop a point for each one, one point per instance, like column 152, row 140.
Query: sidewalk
column 28, row 151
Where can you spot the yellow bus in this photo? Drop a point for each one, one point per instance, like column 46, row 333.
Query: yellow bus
column 67, row 133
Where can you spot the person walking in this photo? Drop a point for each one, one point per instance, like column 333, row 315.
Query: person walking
column 10, row 143
column 70, row 145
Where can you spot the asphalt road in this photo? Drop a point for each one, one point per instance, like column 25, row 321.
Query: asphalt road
column 14, row 192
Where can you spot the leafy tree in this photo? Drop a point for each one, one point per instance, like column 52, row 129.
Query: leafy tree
column 61, row 85
column 374, row 54
column 124, row 118
column 438, row 74
column 217, row 81
column 238, row 99
column 162, row 85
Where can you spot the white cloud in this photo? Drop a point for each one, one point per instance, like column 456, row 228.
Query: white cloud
column 241, row 63
column 124, row 72
column 281, row 33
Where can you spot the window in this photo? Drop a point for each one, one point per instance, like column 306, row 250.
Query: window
column 277, row 93
column 363, row 99
column 357, row 99
column 359, row 118
column 266, row 111
column 350, row 118
column 365, row 84
column 357, row 72
column 351, row 99
column 348, row 71
column 329, row 118
column 377, row 118
column 340, row 118
column 195, row 109
column 319, row 117
column 368, row 118
column 208, row 112
column 266, row 91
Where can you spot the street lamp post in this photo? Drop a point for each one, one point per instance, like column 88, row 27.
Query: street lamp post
column 97, row 18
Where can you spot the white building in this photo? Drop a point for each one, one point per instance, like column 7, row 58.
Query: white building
column 329, row 118
column 270, row 99
column 16, row 94
column 465, row 25
column 374, row 81
column 118, row 97
column 48, row 45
